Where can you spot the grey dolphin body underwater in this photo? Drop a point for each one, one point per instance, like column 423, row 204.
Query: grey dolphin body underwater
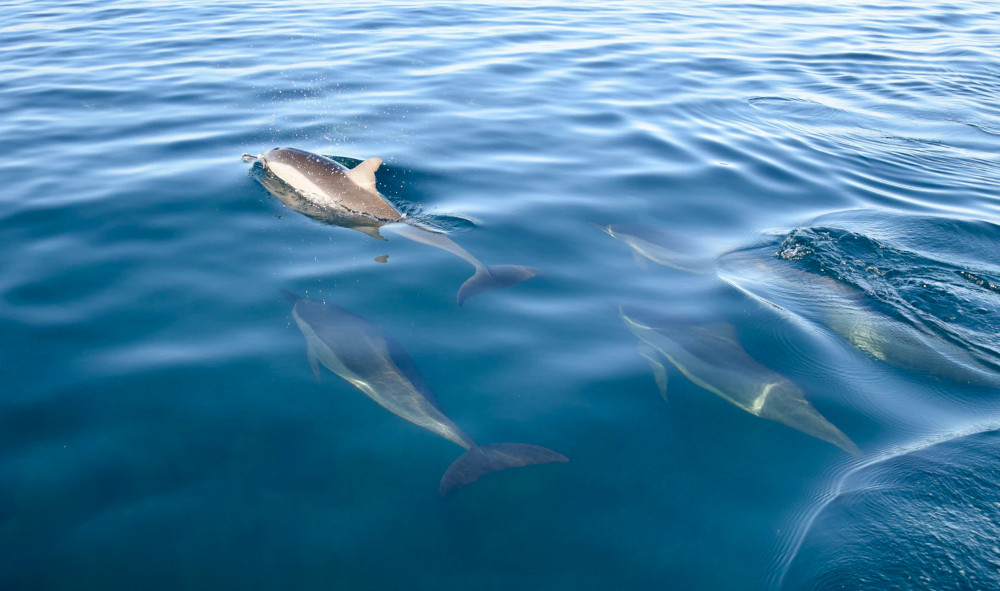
column 711, row 357
column 843, row 309
column 323, row 188
column 799, row 294
column 376, row 364
column 648, row 243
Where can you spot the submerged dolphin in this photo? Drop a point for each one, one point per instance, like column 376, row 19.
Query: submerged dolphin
column 374, row 363
column 843, row 310
column 327, row 190
column 711, row 357
column 649, row 243
column 801, row 294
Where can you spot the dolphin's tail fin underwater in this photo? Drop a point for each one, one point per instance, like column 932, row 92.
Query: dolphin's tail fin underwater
column 488, row 278
column 486, row 459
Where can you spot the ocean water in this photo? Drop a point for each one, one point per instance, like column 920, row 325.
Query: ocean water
column 805, row 199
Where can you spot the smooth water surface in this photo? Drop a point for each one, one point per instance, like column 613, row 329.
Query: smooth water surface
column 829, row 170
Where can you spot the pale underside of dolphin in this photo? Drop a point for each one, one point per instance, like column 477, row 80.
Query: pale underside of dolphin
column 712, row 358
column 373, row 362
column 324, row 189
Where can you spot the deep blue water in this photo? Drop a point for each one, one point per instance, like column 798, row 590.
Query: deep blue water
column 824, row 175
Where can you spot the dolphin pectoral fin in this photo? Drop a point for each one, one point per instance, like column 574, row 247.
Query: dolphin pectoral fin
column 313, row 359
column 659, row 370
column 640, row 261
column 363, row 174
column 494, row 277
column 249, row 158
column 371, row 231
column 486, row 459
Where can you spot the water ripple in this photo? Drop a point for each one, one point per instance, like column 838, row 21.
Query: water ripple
column 154, row 375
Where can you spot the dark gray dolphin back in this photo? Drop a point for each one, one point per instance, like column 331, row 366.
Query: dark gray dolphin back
column 306, row 161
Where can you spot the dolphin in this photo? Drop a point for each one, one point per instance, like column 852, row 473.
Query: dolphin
column 648, row 243
column 711, row 357
column 376, row 364
column 324, row 189
column 802, row 295
column 843, row 309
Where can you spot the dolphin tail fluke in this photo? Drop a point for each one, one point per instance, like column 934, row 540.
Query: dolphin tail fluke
column 486, row 459
column 494, row 277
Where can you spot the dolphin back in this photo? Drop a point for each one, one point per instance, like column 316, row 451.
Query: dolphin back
column 486, row 459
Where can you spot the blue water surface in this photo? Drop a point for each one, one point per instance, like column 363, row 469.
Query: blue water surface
column 829, row 170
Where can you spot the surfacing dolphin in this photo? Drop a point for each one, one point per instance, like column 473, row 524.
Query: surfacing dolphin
column 376, row 364
column 711, row 357
column 324, row 189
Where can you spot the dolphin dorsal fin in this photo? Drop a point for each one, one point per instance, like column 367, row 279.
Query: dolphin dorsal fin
column 364, row 174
